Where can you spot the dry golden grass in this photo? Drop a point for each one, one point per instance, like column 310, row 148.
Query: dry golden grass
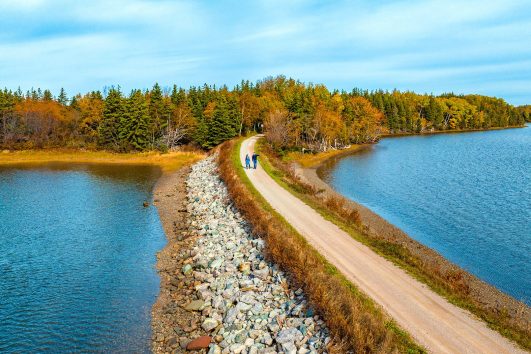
column 356, row 324
column 168, row 162
column 312, row 160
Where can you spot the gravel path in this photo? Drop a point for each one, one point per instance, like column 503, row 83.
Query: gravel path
column 429, row 318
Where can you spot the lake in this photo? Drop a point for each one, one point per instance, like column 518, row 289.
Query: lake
column 466, row 195
column 77, row 258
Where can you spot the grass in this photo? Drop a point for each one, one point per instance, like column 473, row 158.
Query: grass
column 356, row 323
column 168, row 162
column 450, row 284
column 314, row 159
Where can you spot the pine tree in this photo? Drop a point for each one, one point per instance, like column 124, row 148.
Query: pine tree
column 178, row 95
column 113, row 112
column 222, row 126
column 134, row 126
column 47, row 96
column 62, row 98
column 159, row 114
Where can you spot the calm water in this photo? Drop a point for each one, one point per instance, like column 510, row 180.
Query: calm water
column 467, row 196
column 77, row 255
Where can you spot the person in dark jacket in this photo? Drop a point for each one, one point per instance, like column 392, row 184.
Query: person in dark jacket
column 255, row 160
column 247, row 162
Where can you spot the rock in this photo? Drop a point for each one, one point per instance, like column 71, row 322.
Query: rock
column 214, row 349
column 216, row 263
column 289, row 335
column 262, row 273
column 244, row 267
column 209, row 324
column 145, row 204
column 231, row 315
column 172, row 341
column 289, row 348
column 244, row 299
column 199, row 343
column 237, row 348
column 187, row 269
column 196, row 305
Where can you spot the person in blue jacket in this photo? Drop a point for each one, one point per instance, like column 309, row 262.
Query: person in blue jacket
column 247, row 161
column 255, row 160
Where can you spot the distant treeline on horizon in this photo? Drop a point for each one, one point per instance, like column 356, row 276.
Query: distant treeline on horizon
column 291, row 113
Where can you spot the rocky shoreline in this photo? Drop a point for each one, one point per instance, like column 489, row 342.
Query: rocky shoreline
column 219, row 294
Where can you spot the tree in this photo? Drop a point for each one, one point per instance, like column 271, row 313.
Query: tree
column 326, row 127
column 180, row 127
column 62, row 98
column 362, row 119
column 222, row 125
column 113, row 111
column 91, row 108
column 47, row 96
column 134, row 125
column 250, row 108
column 278, row 129
column 158, row 114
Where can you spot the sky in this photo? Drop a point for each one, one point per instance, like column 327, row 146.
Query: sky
column 461, row 46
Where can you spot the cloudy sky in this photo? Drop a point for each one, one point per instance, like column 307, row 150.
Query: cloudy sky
column 422, row 45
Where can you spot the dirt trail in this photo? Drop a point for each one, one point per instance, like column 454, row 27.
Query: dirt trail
column 432, row 321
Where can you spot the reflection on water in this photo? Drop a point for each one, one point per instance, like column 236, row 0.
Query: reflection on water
column 468, row 196
column 77, row 257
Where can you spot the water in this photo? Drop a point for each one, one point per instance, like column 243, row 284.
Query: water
column 77, row 256
column 466, row 195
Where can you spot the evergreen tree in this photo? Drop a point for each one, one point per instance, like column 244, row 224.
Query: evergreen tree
column 222, row 127
column 158, row 114
column 62, row 98
column 134, row 125
column 178, row 95
column 47, row 95
column 113, row 112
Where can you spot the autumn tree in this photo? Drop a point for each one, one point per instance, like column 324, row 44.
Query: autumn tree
column 90, row 108
column 362, row 120
column 278, row 129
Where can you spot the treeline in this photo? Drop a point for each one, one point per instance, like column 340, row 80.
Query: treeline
column 291, row 113
column 525, row 111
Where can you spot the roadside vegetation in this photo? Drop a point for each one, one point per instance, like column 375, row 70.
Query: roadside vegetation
column 444, row 278
column 357, row 324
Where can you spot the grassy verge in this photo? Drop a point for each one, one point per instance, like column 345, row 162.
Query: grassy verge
column 356, row 323
column 447, row 282
column 167, row 162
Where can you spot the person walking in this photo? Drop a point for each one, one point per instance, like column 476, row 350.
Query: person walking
column 247, row 162
column 255, row 160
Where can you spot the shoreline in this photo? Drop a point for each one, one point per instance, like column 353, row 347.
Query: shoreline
column 483, row 293
column 170, row 322
column 454, row 131
column 217, row 290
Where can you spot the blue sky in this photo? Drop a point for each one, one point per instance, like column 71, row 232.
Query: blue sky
column 426, row 46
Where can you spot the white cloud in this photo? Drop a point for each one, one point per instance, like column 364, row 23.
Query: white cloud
column 411, row 44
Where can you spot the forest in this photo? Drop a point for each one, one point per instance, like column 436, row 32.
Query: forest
column 292, row 114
